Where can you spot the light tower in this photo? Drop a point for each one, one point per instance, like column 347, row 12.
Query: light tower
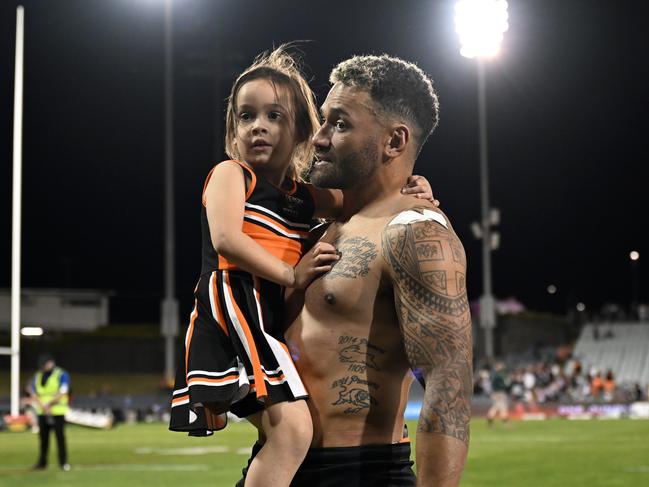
column 480, row 25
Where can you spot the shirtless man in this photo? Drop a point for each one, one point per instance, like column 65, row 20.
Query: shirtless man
column 395, row 301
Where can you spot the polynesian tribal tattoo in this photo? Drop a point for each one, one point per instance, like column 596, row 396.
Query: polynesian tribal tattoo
column 356, row 255
column 428, row 265
column 354, row 392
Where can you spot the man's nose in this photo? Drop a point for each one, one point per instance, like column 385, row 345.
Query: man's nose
column 321, row 139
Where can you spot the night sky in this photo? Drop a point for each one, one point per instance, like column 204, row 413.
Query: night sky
column 567, row 108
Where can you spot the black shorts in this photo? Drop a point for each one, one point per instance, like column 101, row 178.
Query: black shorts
column 354, row 466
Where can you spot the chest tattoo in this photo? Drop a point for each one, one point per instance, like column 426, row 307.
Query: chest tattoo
column 356, row 255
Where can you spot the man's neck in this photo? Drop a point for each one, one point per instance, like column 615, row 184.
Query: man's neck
column 374, row 195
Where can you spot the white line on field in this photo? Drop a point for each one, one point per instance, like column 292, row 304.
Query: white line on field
column 126, row 467
column 638, row 469
column 505, row 439
column 550, row 439
column 192, row 451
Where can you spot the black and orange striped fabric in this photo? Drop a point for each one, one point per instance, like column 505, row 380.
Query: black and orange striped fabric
column 234, row 353
column 277, row 219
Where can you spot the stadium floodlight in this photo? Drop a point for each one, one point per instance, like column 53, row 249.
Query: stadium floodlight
column 634, row 255
column 581, row 307
column 31, row 331
column 552, row 289
column 481, row 25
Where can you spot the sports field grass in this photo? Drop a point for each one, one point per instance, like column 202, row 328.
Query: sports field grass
column 534, row 454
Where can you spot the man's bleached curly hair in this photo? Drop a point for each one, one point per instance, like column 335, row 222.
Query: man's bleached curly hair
column 400, row 90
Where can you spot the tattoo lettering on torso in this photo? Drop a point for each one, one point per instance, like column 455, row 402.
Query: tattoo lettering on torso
column 356, row 255
column 354, row 392
column 359, row 353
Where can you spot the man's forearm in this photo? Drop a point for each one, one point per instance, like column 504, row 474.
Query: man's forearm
column 443, row 430
column 440, row 460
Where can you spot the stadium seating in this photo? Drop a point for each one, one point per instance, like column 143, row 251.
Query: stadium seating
column 620, row 347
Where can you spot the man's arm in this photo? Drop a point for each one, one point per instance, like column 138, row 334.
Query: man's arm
column 427, row 266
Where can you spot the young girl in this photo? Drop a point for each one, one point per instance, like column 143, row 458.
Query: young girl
column 256, row 216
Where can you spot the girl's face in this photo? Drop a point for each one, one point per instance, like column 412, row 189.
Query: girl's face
column 265, row 130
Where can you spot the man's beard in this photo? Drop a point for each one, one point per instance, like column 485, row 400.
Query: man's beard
column 353, row 169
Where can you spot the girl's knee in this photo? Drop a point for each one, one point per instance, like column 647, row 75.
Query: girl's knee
column 293, row 427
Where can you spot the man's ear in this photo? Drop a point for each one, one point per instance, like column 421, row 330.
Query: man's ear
column 397, row 141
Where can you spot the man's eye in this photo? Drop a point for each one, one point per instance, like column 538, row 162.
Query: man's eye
column 340, row 125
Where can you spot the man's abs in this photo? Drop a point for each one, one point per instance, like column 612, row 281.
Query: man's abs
column 348, row 349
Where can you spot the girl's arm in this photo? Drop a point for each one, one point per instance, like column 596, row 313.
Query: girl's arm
column 329, row 202
column 225, row 197
column 419, row 187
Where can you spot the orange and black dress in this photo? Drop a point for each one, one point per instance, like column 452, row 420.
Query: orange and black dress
column 234, row 347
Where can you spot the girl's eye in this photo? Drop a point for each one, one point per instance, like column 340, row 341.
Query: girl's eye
column 274, row 115
column 340, row 125
column 244, row 116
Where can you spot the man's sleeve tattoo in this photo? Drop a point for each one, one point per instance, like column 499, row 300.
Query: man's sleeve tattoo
column 428, row 270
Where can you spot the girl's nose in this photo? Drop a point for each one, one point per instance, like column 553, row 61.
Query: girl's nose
column 259, row 127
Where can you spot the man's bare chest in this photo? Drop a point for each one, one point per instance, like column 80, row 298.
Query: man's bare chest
column 354, row 282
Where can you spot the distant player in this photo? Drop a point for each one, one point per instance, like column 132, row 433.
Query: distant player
column 256, row 218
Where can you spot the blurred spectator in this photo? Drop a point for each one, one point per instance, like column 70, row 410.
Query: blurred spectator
column 609, row 386
column 596, row 385
column 499, row 397
column 529, row 383
column 483, row 382
column 638, row 394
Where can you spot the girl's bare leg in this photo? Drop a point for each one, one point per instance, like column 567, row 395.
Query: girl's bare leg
column 288, row 431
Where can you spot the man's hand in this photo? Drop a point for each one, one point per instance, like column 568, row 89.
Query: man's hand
column 427, row 266
column 419, row 187
column 315, row 262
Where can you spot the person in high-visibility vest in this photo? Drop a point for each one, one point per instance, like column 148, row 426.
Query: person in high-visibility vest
column 50, row 390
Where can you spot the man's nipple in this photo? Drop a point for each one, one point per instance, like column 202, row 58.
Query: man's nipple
column 330, row 298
